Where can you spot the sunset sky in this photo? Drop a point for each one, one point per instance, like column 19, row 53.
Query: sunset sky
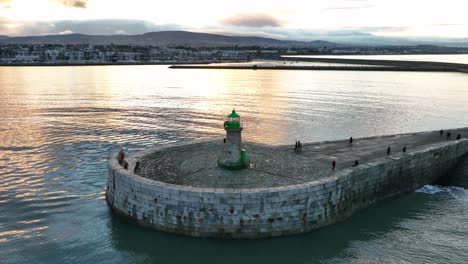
column 298, row 19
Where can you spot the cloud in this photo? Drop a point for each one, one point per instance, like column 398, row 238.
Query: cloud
column 249, row 33
column 346, row 33
column 257, row 20
column 89, row 27
column 341, row 8
column 290, row 33
column 447, row 25
column 73, row 3
column 66, row 32
column 5, row 4
column 69, row 3
column 377, row 29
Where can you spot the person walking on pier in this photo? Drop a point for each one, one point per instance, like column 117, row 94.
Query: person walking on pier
column 351, row 140
column 333, row 165
column 388, row 151
column 449, row 135
column 441, row 132
column 458, row 136
column 298, row 146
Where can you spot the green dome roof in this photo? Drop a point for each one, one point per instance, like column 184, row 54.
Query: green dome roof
column 233, row 114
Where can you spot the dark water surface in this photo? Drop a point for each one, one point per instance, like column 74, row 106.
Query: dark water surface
column 58, row 125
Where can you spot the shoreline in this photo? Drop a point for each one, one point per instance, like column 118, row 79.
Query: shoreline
column 112, row 63
column 360, row 65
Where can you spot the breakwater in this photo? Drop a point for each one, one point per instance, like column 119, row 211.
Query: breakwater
column 169, row 192
column 394, row 63
column 319, row 68
column 357, row 65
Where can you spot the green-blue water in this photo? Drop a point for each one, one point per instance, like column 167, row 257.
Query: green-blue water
column 58, row 125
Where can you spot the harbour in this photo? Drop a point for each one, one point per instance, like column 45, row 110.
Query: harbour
column 57, row 138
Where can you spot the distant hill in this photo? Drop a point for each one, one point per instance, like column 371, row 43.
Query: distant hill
column 166, row 38
column 372, row 40
column 323, row 43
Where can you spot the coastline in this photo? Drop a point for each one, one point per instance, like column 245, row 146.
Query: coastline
column 111, row 63
column 359, row 65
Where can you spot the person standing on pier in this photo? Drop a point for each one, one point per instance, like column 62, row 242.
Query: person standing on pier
column 351, row 140
column 388, row 151
column 333, row 165
column 458, row 136
column 356, row 163
column 441, row 132
column 121, row 156
column 449, row 135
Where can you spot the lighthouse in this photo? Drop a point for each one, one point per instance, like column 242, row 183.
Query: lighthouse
column 235, row 156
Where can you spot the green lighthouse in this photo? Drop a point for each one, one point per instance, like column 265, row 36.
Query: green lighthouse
column 235, row 156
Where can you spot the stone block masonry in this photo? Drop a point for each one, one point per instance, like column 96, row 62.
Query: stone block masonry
column 259, row 212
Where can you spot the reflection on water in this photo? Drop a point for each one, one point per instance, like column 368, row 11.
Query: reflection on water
column 59, row 124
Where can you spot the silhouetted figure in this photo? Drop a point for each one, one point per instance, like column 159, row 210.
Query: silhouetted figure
column 458, row 136
column 333, row 164
column 449, row 135
column 404, row 149
column 137, row 167
column 441, row 132
column 351, row 140
column 388, row 151
column 298, row 146
column 224, row 140
column 356, row 163
column 121, row 156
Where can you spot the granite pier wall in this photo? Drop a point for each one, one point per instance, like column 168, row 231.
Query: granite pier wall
column 269, row 212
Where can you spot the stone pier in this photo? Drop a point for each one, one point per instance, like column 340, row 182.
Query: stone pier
column 181, row 189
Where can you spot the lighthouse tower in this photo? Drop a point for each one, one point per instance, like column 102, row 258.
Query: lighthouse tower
column 235, row 156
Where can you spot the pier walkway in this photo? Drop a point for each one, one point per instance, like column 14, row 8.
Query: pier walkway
column 273, row 166
column 368, row 149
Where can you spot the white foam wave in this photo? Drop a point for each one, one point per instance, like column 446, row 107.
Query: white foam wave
column 456, row 192
column 430, row 189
